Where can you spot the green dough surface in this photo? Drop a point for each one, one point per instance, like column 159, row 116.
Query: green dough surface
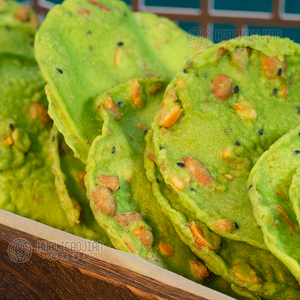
column 84, row 48
column 274, row 191
column 252, row 272
column 232, row 109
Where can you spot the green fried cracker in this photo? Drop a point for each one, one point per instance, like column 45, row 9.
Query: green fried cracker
column 69, row 175
column 218, row 116
column 84, row 48
column 274, row 192
column 251, row 271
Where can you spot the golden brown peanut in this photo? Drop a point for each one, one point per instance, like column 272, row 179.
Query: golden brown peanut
column 199, row 270
column 198, row 170
column 127, row 218
column 221, row 87
column 168, row 117
column 224, row 225
column 165, row 249
column 199, row 237
column 145, row 236
column 39, row 109
column 110, row 181
column 105, row 201
column 110, row 105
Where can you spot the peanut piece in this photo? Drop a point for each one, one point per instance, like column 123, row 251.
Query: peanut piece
column 245, row 273
column 110, row 105
column 165, row 249
column 105, row 201
column 128, row 218
column 177, row 182
column 199, row 270
column 110, row 181
column 222, row 86
column 145, row 236
column 169, row 117
column 198, row 170
column 224, row 225
column 135, row 92
column 36, row 109
column 199, row 237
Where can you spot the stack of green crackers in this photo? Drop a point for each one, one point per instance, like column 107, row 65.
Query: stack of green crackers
column 117, row 130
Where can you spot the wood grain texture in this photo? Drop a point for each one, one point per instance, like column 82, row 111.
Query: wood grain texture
column 61, row 273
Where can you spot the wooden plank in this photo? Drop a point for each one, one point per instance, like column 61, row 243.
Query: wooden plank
column 77, row 277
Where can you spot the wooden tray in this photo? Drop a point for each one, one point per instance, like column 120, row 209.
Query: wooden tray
column 62, row 273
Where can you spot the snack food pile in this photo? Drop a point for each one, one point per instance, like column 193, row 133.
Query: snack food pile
column 152, row 147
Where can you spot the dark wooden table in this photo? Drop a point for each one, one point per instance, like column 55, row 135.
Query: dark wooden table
column 41, row 277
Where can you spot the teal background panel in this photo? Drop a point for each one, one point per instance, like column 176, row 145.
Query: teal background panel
column 292, row 6
column 174, row 3
column 252, row 5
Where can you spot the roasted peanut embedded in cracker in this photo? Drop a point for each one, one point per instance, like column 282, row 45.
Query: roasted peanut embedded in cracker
column 177, row 182
column 198, row 170
column 168, row 117
column 245, row 110
column 222, row 87
column 244, row 272
column 199, row 270
column 39, row 109
column 145, row 236
column 109, row 104
column 135, row 93
column 128, row 218
column 199, row 236
column 224, row 225
column 110, row 181
column 105, row 201
column 165, row 249
column 22, row 14
column 273, row 67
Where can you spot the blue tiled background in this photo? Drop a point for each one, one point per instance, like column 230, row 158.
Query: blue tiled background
column 220, row 31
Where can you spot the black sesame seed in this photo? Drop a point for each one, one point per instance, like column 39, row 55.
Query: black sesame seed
column 157, row 180
column 237, row 143
column 113, row 149
column 236, row 225
column 299, row 134
column 261, row 131
column 161, row 147
column 118, row 188
column 120, row 44
column 89, row 32
column 180, row 164
column 192, row 189
column 53, row 138
column 236, row 89
column 59, row 70
column 275, row 91
column 205, row 75
column 120, row 104
column 145, row 131
column 298, row 112
column 297, row 152
column 184, row 71
column 11, row 127
column 279, row 72
column 250, row 186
